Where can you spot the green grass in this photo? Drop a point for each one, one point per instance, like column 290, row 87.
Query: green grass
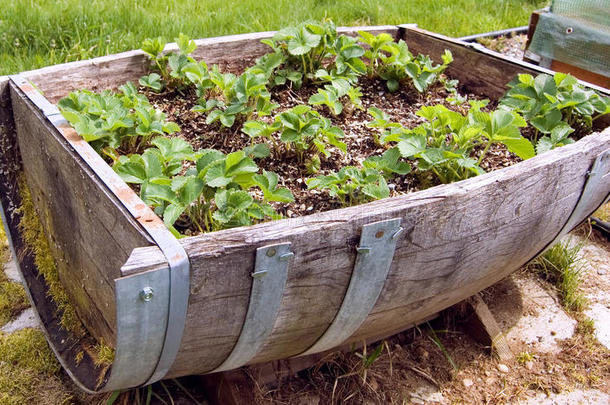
column 561, row 265
column 35, row 33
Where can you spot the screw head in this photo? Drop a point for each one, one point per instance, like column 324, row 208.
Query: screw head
column 271, row 252
column 379, row 233
column 146, row 294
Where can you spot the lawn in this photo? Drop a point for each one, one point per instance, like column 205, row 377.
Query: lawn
column 36, row 33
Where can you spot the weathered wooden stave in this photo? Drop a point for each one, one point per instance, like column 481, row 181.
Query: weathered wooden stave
column 325, row 243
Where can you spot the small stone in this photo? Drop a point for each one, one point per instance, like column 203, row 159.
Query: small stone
column 467, row 382
column 529, row 364
column 601, row 272
column 503, row 368
column 553, row 333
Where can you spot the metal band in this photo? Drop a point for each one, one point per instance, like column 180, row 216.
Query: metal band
column 142, row 316
column 375, row 254
column 269, row 281
column 151, row 365
column 583, row 209
column 595, row 181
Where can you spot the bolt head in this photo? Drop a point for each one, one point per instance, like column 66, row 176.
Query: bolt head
column 380, row 233
column 146, row 294
column 271, row 252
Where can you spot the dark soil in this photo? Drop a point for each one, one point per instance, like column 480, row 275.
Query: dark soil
column 401, row 106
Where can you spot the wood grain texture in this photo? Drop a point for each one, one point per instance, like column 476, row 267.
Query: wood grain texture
column 111, row 71
column 64, row 344
column 460, row 238
column 482, row 326
column 91, row 235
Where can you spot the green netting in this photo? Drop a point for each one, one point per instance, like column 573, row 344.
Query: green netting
column 596, row 11
column 575, row 32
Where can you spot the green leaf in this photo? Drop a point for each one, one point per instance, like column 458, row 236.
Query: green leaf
column 172, row 212
column 303, row 42
column 544, row 145
column 152, row 81
column 152, row 191
column 392, row 85
column 185, row 44
column 412, row 146
column 520, row 147
column 377, row 191
column 268, row 183
column 131, row 170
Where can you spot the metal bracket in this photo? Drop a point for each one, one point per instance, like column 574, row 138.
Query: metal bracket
column 141, row 357
column 268, row 283
column 375, row 254
column 142, row 316
column 595, row 177
column 582, row 210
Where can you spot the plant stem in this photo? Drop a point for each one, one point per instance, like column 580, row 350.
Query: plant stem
column 484, row 153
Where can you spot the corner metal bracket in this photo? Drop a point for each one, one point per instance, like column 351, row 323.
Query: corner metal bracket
column 156, row 301
column 373, row 261
column 142, row 317
column 268, row 283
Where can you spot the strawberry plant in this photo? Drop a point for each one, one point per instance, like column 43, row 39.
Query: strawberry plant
column 548, row 101
column 352, row 185
column 331, row 95
column 423, row 72
column 389, row 163
column 390, row 130
column 239, row 208
column 376, row 44
column 208, row 192
column 445, row 144
column 394, row 63
column 306, row 131
column 558, row 137
column 152, row 81
column 305, row 45
column 109, row 121
column 240, row 96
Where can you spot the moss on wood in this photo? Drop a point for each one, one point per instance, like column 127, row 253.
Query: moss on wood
column 35, row 240
column 104, row 354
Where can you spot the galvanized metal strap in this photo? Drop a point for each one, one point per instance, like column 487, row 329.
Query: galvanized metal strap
column 373, row 261
column 269, row 281
column 594, row 181
column 151, row 308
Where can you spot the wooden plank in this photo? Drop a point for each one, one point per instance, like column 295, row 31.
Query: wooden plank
column 481, row 71
column 111, row 71
column 63, row 342
column 89, row 231
column 582, row 74
column 504, row 219
column 482, row 326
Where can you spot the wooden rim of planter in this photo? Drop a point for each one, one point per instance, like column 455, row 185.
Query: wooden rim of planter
column 158, row 297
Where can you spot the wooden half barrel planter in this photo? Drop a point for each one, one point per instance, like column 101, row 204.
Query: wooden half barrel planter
column 280, row 289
